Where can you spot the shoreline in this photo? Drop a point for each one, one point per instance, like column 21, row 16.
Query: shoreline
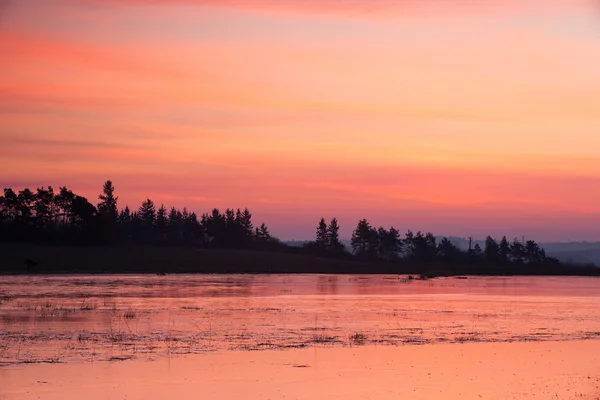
column 160, row 260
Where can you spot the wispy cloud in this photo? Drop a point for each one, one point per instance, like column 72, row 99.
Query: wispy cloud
column 369, row 8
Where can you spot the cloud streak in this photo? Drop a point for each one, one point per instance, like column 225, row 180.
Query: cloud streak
column 371, row 8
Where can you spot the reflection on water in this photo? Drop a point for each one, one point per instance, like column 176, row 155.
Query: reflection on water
column 85, row 318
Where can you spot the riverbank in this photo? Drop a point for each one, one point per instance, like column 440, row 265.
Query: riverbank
column 164, row 259
column 549, row 370
column 25, row 258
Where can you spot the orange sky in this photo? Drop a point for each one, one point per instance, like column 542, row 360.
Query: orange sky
column 448, row 116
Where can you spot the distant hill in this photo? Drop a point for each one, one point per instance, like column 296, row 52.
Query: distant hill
column 575, row 252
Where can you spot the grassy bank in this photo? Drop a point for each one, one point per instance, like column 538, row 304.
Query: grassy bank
column 158, row 259
column 163, row 259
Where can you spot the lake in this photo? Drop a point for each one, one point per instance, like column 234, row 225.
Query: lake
column 84, row 318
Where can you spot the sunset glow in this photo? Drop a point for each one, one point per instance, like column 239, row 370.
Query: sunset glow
column 446, row 116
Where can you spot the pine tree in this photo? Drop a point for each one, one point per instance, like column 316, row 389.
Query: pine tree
column 174, row 225
column 125, row 224
column 390, row 244
column 534, row 254
column 247, row 229
column 215, row 227
column 492, row 250
column 322, row 240
column 262, row 234
column 408, row 243
column 448, row 251
column 107, row 207
column 504, row 250
column 517, row 251
column 365, row 241
column 334, row 245
column 108, row 212
column 147, row 215
column 424, row 247
column 161, row 222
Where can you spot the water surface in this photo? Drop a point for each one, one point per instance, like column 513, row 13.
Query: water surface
column 56, row 319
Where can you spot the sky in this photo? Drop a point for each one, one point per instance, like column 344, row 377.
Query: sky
column 459, row 117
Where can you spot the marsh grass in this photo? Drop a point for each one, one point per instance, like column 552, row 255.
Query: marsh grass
column 358, row 339
column 88, row 305
column 4, row 346
column 5, row 298
column 109, row 303
column 131, row 314
column 322, row 338
column 53, row 311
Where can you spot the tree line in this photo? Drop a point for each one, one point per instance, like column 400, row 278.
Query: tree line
column 424, row 249
column 62, row 216
column 387, row 244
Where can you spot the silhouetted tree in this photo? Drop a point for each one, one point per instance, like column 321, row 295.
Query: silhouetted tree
column 322, row 240
column 238, row 229
column 64, row 204
column 125, row 228
column 448, row 251
column 174, row 226
column 492, row 250
column 162, row 223
column 477, row 252
column 533, row 253
column 334, row 245
column 408, row 244
column 25, row 201
column 390, row 244
column 230, row 228
column 10, row 204
column 84, row 220
column 423, row 247
column 517, row 252
column 193, row 232
column 365, row 241
column 262, row 233
column 108, row 202
column 138, row 233
column 215, row 227
column 44, row 204
column 65, row 217
column 147, row 218
column 107, row 212
column 247, row 223
column 504, row 250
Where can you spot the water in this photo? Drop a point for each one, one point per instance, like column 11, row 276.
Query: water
column 66, row 319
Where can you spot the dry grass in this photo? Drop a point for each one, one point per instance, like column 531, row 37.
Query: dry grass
column 88, row 305
column 324, row 339
column 131, row 314
column 358, row 339
column 50, row 311
column 5, row 298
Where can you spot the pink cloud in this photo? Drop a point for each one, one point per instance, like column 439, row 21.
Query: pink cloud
column 371, row 8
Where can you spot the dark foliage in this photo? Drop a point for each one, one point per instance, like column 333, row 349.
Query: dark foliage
column 63, row 217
